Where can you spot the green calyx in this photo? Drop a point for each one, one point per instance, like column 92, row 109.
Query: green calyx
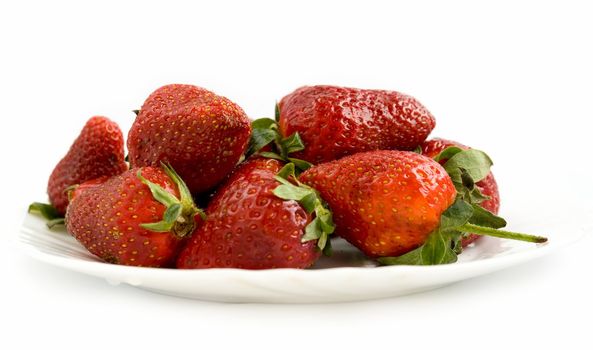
column 179, row 214
column 265, row 131
column 48, row 212
column 466, row 168
column 322, row 225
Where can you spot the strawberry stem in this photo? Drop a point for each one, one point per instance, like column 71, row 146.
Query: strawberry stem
column 487, row 231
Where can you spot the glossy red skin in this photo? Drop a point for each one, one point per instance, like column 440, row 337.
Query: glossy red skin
column 334, row 121
column 78, row 189
column 105, row 219
column 98, row 151
column 488, row 185
column 248, row 227
column 386, row 203
column 202, row 135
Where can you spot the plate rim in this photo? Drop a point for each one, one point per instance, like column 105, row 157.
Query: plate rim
column 523, row 255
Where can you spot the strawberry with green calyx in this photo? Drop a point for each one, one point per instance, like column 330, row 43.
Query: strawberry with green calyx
column 466, row 167
column 488, row 186
column 140, row 217
column 267, row 141
column 248, row 226
column 322, row 226
column 396, row 205
column 179, row 215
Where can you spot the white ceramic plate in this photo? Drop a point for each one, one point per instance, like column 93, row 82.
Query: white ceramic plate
column 347, row 276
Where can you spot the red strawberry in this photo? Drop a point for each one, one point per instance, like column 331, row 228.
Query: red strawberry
column 202, row 135
column 403, row 205
column 487, row 186
column 136, row 218
column 98, row 151
column 334, row 121
column 386, row 203
column 249, row 227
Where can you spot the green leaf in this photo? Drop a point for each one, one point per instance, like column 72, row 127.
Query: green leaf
column 326, row 222
column 289, row 191
column 483, row 217
column 466, row 167
column 438, row 249
column 262, row 123
column 277, row 112
column 476, row 196
column 312, row 231
column 476, row 163
column 458, row 244
column 179, row 214
column 413, row 257
column 185, row 194
column 447, row 153
column 259, row 139
column 322, row 225
column 322, row 241
column 310, row 202
column 172, row 213
column 287, row 171
column 301, row 164
column 456, row 215
column 466, row 180
column 271, row 155
column 55, row 222
column 327, row 250
column 418, row 149
column 159, row 193
column 292, row 143
column 283, row 180
column 161, row 226
column 47, row 211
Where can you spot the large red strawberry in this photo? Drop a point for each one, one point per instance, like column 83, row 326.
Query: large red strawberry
column 403, row 204
column 248, row 226
column 139, row 218
column 384, row 202
column 202, row 135
column 336, row 121
column 98, row 151
column 487, row 186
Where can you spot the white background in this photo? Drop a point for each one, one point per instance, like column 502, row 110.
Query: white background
column 513, row 78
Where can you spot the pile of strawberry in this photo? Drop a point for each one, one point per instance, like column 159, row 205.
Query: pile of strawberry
column 335, row 161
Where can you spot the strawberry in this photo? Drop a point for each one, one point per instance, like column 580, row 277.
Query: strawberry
column 405, row 208
column 249, row 225
column 98, row 151
column 384, row 202
column 487, row 186
column 336, row 121
column 202, row 135
column 139, row 217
